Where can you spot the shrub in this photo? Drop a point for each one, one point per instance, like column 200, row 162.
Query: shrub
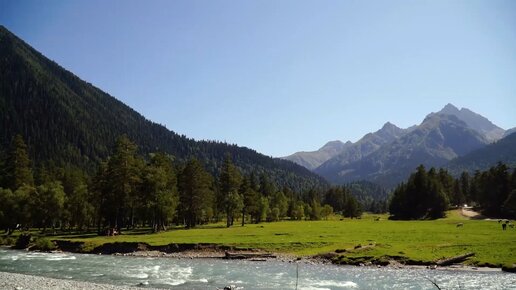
column 23, row 241
column 44, row 244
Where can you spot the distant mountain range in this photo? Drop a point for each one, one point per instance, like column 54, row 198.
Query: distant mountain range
column 503, row 150
column 390, row 154
column 67, row 121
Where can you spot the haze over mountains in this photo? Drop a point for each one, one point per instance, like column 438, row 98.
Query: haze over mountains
column 388, row 155
column 68, row 122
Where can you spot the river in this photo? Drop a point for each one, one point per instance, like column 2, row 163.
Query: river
column 174, row 273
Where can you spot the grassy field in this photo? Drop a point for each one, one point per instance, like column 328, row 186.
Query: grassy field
column 416, row 240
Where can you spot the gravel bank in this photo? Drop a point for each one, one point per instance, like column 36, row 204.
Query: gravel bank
column 13, row 281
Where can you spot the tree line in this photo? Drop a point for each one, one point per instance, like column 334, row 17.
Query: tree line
column 428, row 194
column 129, row 190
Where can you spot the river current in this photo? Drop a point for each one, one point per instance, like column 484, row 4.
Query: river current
column 177, row 273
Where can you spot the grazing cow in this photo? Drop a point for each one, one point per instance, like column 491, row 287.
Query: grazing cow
column 376, row 219
column 499, row 221
column 511, row 226
column 504, row 225
column 459, row 225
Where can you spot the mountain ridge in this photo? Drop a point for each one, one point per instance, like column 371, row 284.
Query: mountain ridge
column 388, row 155
column 66, row 120
column 503, row 150
column 438, row 139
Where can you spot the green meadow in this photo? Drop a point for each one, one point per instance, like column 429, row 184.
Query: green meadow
column 423, row 241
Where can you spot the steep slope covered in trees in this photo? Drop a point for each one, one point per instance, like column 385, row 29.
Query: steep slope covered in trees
column 65, row 120
column 502, row 151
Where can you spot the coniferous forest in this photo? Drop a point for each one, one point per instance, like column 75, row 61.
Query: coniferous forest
column 428, row 194
column 67, row 122
column 129, row 190
column 74, row 157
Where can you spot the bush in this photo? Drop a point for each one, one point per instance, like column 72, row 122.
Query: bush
column 7, row 241
column 23, row 241
column 44, row 244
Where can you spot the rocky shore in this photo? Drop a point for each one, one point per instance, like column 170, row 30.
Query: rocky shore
column 14, row 281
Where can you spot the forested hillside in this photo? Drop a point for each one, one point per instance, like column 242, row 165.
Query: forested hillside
column 129, row 191
column 428, row 194
column 503, row 150
column 68, row 122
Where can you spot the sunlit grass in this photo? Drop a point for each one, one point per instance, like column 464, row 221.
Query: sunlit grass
column 417, row 240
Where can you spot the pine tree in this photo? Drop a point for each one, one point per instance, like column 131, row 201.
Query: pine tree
column 465, row 186
column 249, row 198
column 8, row 212
column 229, row 182
column 123, row 183
column 18, row 170
column 195, row 193
column 159, row 192
column 50, row 202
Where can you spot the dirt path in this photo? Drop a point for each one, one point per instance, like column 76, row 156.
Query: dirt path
column 469, row 213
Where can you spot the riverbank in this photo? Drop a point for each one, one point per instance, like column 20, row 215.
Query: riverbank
column 15, row 281
column 203, row 273
column 372, row 240
column 319, row 259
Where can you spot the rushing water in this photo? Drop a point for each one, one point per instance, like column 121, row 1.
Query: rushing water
column 214, row 273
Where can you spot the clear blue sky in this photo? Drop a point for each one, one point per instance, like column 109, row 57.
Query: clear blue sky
column 283, row 76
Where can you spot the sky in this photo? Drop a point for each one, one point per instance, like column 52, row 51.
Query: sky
column 283, row 76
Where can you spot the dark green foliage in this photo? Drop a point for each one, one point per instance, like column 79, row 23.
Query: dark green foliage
column 159, row 196
column 342, row 200
column 493, row 190
column 50, row 200
column 124, row 181
column 279, row 205
column 503, row 150
column 44, row 244
column 23, row 241
column 423, row 196
column 195, row 193
column 352, row 208
column 427, row 194
column 250, row 199
column 371, row 196
column 66, row 121
column 128, row 191
column 17, row 169
column 8, row 205
column 229, row 199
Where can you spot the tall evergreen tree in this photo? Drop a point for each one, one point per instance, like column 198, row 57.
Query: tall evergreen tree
column 160, row 191
column 8, row 213
column 50, row 202
column 18, row 169
column 421, row 197
column 249, row 198
column 465, row 186
column 229, row 182
column 195, row 193
column 123, row 183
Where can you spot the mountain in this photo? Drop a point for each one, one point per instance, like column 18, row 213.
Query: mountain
column 509, row 132
column 67, row 121
column 482, row 159
column 438, row 139
column 313, row 159
column 362, row 148
column 475, row 121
